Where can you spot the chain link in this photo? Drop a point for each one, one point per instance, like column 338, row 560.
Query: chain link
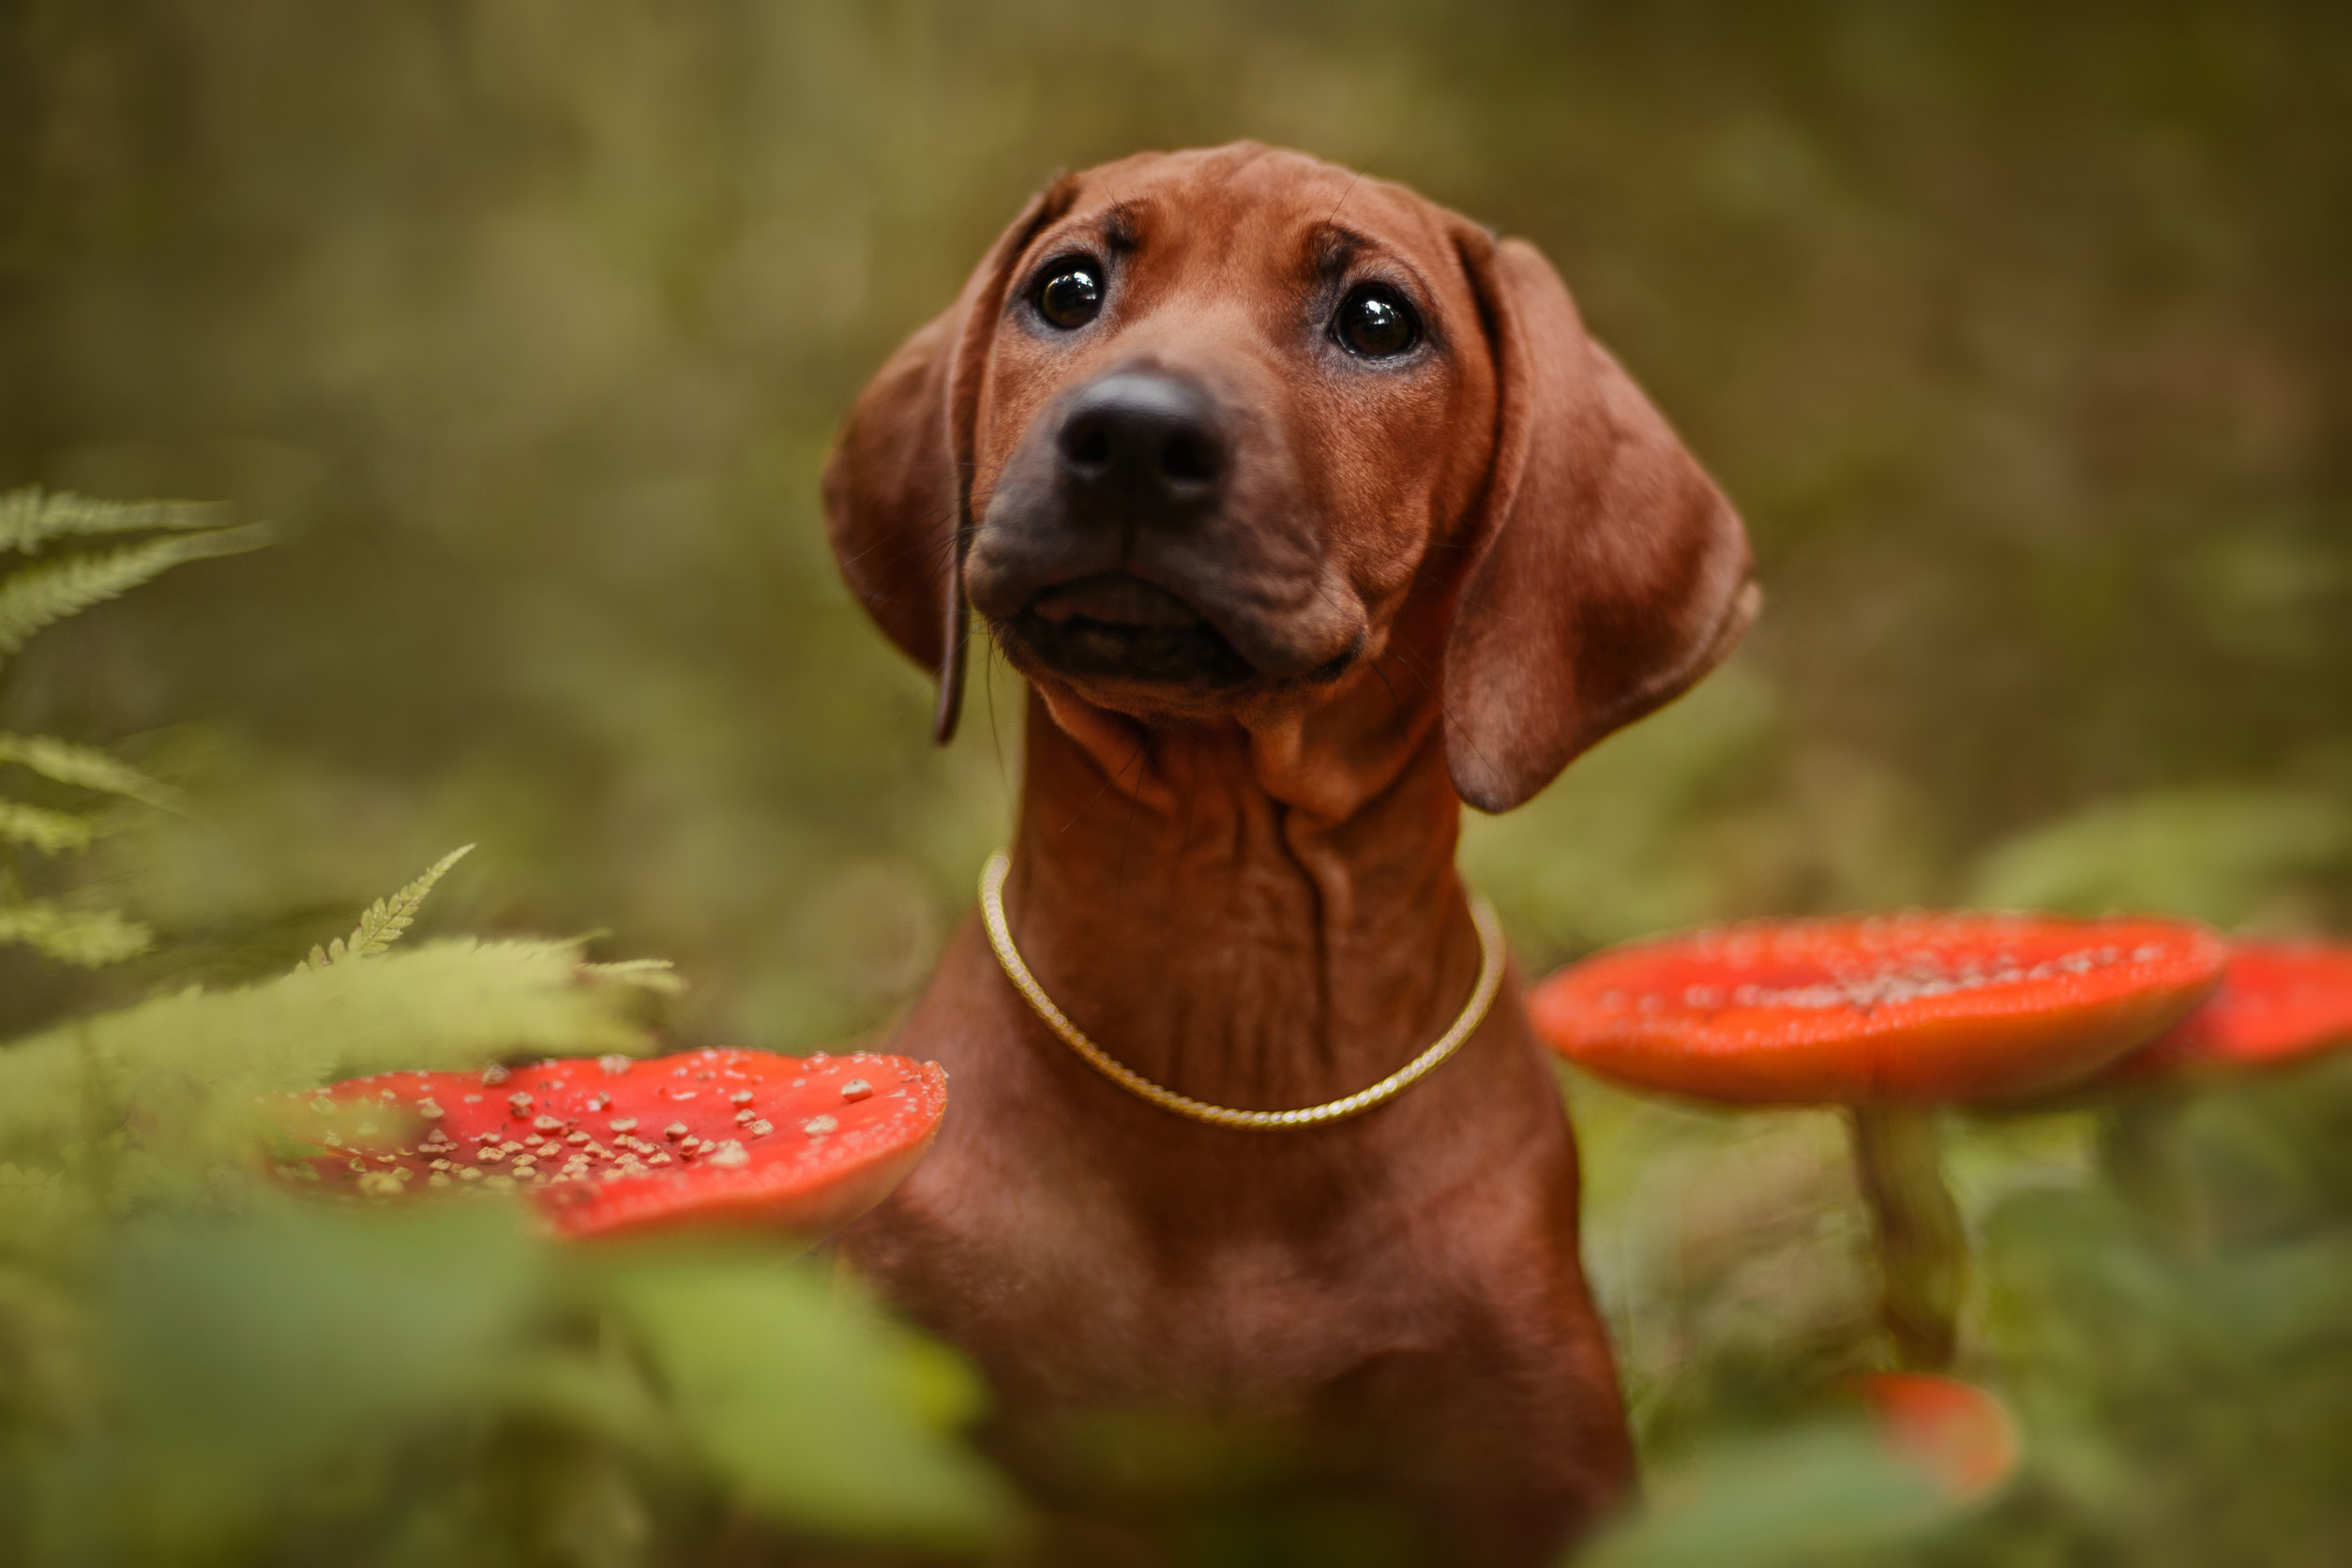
column 1482, row 997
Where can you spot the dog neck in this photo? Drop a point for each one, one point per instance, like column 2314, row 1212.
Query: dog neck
column 1263, row 916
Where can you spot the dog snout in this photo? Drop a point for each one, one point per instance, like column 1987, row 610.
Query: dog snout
column 1144, row 529
column 1142, row 446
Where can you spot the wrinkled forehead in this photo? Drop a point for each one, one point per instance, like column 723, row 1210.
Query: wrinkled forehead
column 1231, row 217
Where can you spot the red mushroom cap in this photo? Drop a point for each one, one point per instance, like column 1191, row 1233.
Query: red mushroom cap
column 1921, row 1008
column 611, row 1146
column 1955, row 1431
column 2278, row 1002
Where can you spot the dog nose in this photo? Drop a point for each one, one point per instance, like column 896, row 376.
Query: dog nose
column 1142, row 440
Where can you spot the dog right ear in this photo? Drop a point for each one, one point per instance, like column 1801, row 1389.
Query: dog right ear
column 1606, row 573
column 897, row 486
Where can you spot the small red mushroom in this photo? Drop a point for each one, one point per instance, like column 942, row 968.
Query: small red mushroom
column 1888, row 1015
column 1955, row 1431
column 614, row 1146
column 2278, row 1002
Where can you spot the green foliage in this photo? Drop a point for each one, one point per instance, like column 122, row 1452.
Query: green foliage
column 279, row 1381
column 199, row 1369
column 652, row 975
column 39, row 595
column 86, row 768
column 42, row 829
column 30, row 518
column 2179, row 1377
column 1817, row 1495
column 444, row 1004
column 738, row 1340
column 47, row 592
column 89, row 938
column 2213, row 853
column 386, row 918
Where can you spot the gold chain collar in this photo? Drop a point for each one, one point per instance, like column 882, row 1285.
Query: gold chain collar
column 1482, row 997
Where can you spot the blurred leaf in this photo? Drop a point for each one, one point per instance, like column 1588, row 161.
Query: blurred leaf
column 86, row 767
column 445, row 1004
column 30, row 518
column 2181, row 1407
column 822, row 1413
column 1826, row 1495
column 605, row 1396
column 38, row 596
column 45, row 829
column 2211, row 853
column 90, row 938
column 246, row 1350
column 650, row 974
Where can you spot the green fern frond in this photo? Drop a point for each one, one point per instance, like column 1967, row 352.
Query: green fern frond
column 50, row 832
column 88, row 938
column 29, row 518
column 86, row 768
column 34, row 596
column 650, row 974
column 443, row 1004
column 386, row 918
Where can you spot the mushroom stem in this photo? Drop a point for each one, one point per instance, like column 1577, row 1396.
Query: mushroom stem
column 1923, row 1250
column 2139, row 1134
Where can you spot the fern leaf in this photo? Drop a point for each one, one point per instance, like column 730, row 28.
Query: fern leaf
column 386, row 918
column 34, row 596
column 50, row 832
column 443, row 1004
column 87, row 768
column 87, row 938
column 29, row 519
column 649, row 975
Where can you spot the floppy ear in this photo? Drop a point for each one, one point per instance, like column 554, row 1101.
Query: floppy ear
column 1607, row 572
column 897, row 486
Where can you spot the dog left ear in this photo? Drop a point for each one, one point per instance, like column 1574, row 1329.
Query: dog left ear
column 897, row 486
column 1607, row 573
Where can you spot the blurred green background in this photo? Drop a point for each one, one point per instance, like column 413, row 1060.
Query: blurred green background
column 2021, row 338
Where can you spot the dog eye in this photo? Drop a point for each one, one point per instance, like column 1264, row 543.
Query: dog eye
column 1071, row 295
column 1375, row 322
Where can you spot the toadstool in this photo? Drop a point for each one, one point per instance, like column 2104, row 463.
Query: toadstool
column 2278, row 1004
column 1889, row 1016
column 1955, row 1431
column 612, row 1146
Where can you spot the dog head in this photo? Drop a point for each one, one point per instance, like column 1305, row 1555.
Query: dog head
column 1206, row 432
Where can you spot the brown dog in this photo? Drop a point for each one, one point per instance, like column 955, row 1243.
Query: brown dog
column 1309, row 511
